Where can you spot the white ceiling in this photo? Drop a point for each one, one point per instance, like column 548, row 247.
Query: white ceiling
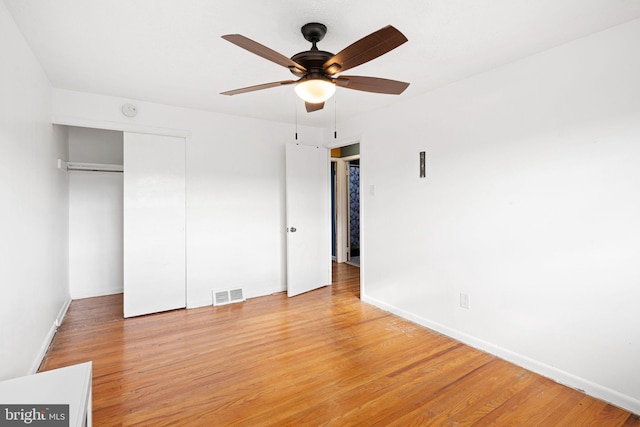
column 170, row 51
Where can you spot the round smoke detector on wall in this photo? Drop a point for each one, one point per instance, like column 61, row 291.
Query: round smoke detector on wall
column 129, row 110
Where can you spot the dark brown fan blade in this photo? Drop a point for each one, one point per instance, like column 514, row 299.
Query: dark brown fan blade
column 313, row 107
column 365, row 49
column 372, row 84
column 258, row 87
column 263, row 51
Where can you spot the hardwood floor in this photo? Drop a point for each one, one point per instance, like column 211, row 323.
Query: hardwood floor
column 321, row 358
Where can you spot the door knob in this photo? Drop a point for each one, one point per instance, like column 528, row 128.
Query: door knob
column 293, row 229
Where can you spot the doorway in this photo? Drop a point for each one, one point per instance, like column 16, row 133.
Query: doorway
column 345, row 204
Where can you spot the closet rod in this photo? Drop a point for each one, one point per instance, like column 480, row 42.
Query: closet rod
column 93, row 167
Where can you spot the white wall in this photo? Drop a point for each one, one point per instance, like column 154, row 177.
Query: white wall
column 33, row 218
column 95, row 146
column 95, row 233
column 531, row 206
column 235, row 189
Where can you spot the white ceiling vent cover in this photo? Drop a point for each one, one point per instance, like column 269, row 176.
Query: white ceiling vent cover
column 228, row 296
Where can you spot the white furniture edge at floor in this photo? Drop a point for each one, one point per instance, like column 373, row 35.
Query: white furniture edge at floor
column 69, row 385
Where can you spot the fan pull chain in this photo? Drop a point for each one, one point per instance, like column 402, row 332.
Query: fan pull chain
column 295, row 109
column 335, row 117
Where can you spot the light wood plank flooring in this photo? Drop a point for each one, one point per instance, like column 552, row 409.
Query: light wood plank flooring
column 322, row 358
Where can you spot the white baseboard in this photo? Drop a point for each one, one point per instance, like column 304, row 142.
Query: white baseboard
column 63, row 312
column 97, row 293
column 581, row 384
column 49, row 337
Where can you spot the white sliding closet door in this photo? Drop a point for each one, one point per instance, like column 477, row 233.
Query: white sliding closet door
column 154, row 223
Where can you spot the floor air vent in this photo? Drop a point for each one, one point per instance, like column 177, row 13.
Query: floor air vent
column 228, row 297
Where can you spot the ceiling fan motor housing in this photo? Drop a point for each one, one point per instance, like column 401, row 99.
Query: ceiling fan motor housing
column 312, row 60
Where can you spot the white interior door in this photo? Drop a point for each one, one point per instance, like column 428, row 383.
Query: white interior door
column 308, row 218
column 154, row 223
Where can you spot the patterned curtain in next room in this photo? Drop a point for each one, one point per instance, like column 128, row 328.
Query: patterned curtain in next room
column 354, row 207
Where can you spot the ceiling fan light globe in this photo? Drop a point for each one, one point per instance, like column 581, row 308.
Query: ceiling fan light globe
column 315, row 91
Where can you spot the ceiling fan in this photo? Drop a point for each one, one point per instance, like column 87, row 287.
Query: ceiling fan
column 318, row 71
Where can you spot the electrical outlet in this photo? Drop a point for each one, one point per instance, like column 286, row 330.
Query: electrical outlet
column 465, row 301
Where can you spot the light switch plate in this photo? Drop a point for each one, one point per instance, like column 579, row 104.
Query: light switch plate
column 465, row 301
